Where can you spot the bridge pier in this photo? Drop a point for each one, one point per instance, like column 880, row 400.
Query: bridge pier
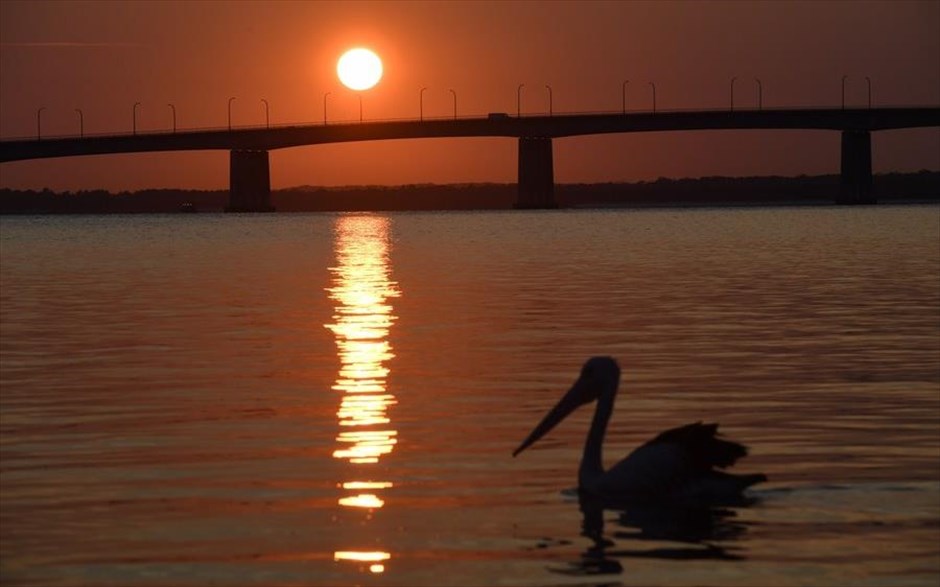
column 249, row 181
column 855, row 187
column 536, row 185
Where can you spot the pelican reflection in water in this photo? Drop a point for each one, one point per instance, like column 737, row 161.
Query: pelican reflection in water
column 669, row 532
column 678, row 466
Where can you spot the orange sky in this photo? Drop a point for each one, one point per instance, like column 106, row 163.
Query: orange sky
column 103, row 57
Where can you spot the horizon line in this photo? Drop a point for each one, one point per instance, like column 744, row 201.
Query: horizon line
column 489, row 183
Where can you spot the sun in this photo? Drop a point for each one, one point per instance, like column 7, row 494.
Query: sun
column 359, row 69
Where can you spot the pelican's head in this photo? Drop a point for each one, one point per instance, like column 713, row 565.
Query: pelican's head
column 599, row 377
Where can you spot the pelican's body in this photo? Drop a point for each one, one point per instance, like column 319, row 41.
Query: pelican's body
column 678, row 465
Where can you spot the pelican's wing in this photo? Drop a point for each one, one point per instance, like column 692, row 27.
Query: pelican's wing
column 702, row 446
column 679, row 463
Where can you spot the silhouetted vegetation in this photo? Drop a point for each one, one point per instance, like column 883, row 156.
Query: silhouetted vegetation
column 706, row 191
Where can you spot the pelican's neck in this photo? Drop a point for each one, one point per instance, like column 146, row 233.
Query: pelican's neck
column 592, row 463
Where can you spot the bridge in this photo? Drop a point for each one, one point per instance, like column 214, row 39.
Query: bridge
column 249, row 171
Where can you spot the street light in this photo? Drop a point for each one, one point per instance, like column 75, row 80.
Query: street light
column 39, row 123
column 134, row 125
column 360, row 108
column 868, row 79
column 173, row 109
column 81, row 122
column 267, row 119
column 455, row 103
column 844, row 77
column 652, row 85
column 230, row 112
column 549, row 99
column 324, row 107
column 732, row 92
column 760, row 94
column 624, row 92
column 519, row 100
column 421, row 104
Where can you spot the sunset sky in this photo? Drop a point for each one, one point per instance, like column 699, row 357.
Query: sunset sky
column 102, row 57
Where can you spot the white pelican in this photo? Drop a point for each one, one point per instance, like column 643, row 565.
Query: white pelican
column 678, row 465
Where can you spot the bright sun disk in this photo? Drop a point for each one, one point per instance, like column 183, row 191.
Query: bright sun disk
column 359, row 69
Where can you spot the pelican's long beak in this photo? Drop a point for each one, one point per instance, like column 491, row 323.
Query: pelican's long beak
column 572, row 400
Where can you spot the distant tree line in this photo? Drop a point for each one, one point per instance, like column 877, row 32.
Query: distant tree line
column 705, row 191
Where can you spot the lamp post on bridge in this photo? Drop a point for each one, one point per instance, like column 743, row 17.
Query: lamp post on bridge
column 455, row 103
column 519, row 100
column 324, row 107
column 623, row 92
column 173, row 110
column 868, row 80
column 230, row 112
column 760, row 94
column 134, row 124
column 844, row 77
column 267, row 118
column 39, row 123
column 81, row 123
column 421, row 104
column 549, row 99
column 652, row 85
column 360, row 108
column 733, row 79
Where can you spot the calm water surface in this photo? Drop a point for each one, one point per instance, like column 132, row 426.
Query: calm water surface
column 333, row 399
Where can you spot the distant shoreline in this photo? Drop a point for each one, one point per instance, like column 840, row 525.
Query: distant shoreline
column 918, row 187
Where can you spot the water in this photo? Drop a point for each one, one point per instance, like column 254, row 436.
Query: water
column 333, row 399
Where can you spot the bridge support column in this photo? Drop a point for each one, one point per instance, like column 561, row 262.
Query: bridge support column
column 536, row 187
column 249, row 182
column 856, row 182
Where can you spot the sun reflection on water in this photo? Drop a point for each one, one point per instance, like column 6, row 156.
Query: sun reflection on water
column 361, row 288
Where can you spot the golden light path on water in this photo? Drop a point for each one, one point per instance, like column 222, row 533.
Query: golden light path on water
column 363, row 316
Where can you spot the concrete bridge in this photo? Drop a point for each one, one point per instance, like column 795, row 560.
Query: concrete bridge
column 249, row 175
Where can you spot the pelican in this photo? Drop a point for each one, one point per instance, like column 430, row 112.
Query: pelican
column 679, row 465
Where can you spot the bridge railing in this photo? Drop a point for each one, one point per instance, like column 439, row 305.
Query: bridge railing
column 476, row 116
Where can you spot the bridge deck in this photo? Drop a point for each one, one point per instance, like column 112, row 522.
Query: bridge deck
column 560, row 125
